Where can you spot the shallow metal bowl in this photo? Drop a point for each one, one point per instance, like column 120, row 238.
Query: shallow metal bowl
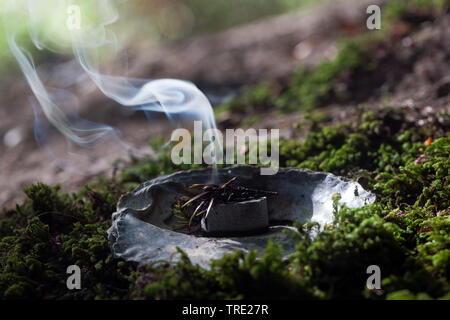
column 143, row 226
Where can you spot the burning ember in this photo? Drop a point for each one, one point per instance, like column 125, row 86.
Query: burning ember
column 196, row 209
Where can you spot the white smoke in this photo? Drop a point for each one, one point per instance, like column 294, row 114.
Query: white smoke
column 170, row 96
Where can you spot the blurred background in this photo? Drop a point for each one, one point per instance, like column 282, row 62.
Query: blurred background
column 156, row 21
column 222, row 46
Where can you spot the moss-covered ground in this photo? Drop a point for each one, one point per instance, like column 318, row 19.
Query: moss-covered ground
column 406, row 232
column 404, row 160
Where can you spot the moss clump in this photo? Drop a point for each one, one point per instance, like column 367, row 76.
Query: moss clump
column 309, row 90
column 376, row 142
column 254, row 98
column 406, row 9
column 50, row 232
column 236, row 276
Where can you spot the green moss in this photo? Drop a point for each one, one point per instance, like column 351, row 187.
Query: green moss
column 140, row 170
column 395, row 10
column 407, row 295
column 248, row 122
column 53, row 232
column 252, row 99
column 236, row 276
column 309, row 90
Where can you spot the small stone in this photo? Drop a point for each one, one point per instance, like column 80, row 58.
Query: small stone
column 302, row 50
column 13, row 137
column 407, row 41
column 428, row 110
